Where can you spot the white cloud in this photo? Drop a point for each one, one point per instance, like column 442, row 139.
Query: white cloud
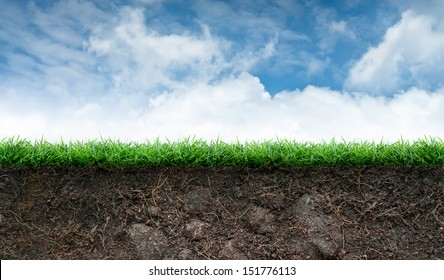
column 256, row 29
column 328, row 29
column 141, row 59
column 314, row 65
column 238, row 108
column 409, row 55
column 341, row 27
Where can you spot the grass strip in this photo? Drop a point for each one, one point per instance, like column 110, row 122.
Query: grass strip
column 16, row 152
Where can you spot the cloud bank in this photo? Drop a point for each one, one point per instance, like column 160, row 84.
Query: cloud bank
column 90, row 73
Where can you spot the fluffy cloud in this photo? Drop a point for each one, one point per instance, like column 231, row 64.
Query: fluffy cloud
column 238, row 108
column 409, row 55
column 138, row 58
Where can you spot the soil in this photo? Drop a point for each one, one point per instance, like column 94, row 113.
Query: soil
column 222, row 213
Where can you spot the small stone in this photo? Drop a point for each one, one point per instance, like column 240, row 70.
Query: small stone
column 325, row 246
column 153, row 211
column 230, row 252
column 185, row 254
column 427, row 181
column 197, row 201
column 195, row 229
column 320, row 228
column 260, row 220
column 151, row 243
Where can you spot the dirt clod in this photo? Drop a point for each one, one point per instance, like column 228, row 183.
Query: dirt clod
column 230, row 252
column 195, row 229
column 260, row 219
column 153, row 211
column 185, row 254
column 197, row 201
column 150, row 243
column 321, row 230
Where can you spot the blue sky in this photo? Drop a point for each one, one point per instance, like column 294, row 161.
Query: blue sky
column 233, row 70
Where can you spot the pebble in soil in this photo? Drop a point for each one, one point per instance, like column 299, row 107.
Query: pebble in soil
column 318, row 234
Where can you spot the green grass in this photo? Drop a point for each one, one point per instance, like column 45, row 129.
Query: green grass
column 15, row 152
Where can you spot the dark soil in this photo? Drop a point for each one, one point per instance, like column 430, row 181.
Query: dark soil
column 222, row 213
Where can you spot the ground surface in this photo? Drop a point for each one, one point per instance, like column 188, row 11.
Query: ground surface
column 222, row 213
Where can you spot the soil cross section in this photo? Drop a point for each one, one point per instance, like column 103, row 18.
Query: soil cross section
column 222, row 213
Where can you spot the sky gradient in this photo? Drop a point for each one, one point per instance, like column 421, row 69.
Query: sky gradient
column 139, row 70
